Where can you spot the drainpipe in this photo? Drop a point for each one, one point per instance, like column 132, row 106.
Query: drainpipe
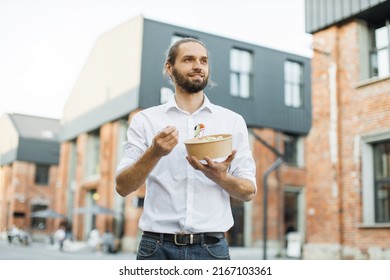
column 273, row 167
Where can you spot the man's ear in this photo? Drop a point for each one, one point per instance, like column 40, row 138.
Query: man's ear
column 168, row 69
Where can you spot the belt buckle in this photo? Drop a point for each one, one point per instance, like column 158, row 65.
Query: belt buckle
column 183, row 244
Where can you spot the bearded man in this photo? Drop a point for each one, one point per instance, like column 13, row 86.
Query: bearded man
column 187, row 203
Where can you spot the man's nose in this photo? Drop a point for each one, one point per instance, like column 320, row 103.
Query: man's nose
column 197, row 64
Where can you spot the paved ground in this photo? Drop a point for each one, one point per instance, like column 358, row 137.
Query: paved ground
column 41, row 251
column 78, row 251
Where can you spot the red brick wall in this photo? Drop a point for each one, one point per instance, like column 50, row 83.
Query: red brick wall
column 19, row 192
column 334, row 202
column 104, row 184
column 322, row 175
column 5, row 182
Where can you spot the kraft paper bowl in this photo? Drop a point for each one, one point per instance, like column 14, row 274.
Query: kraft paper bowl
column 213, row 149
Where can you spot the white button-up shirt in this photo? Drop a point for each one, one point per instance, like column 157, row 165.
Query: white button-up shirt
column 179, row 198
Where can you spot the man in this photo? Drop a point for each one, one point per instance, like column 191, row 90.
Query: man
column 187, row 203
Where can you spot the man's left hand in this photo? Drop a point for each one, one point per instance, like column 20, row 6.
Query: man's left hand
column 215, row 171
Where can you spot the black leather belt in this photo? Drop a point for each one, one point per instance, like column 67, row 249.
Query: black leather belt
column 183, row 239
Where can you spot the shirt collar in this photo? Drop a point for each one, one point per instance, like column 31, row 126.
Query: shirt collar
column 207, row 105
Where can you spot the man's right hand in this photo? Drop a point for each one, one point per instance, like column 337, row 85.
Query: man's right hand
column 164, row 142
column 133, row 177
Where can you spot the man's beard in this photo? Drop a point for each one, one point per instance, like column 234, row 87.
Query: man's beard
column 188, row 85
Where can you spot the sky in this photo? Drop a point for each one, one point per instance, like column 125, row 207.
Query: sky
column 44, row 44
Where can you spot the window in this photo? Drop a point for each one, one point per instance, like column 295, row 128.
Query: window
column 382, row 181
column 293, row 150
column 42, row 175
column 72, row 162
column 241, row 73
column 93, row 154
column 294, row 214
column 379, row 54
column 37, row 222
column 290, row 149
column 18, row 214
column 122, row 138
column 375, row 161
column 293, row 84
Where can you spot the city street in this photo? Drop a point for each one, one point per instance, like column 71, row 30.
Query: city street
column 41, row 251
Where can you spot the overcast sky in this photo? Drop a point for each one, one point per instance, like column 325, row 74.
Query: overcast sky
column 45, row 43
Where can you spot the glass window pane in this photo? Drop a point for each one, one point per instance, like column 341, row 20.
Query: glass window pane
column 92, row 166
column 96, row 154
column 382, row 181
column 246, row 62
column 295, row 98
column 244, row 86
column 234, row 60
column 293, row 72
column 381, row 37
column 383, row 202
column 37, row 222
column 291, row 149
column 241, row 67
column 42, row 174
column 382, row 160
column 234, row 84
column 297, row 73
column 296, row 69
column 374, row 64
column 383, row 63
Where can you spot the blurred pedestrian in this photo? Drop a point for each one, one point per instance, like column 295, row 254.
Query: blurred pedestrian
column 13, row 233
column 94, row 239
column 59, row 237
column 108, row 242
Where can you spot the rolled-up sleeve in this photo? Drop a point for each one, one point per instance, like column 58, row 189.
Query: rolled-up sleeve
column 243, row 165
column 135, row 145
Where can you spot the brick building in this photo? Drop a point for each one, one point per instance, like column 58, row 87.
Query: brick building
column 123, row 74
column 28, row 171
column 348, row 148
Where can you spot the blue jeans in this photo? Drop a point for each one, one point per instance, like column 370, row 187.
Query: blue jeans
column 157, row 249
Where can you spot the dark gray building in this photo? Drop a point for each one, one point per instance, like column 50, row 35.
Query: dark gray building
column 321, row 14
column 29, row 138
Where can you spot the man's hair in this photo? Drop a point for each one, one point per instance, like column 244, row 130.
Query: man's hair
column 174, row 49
